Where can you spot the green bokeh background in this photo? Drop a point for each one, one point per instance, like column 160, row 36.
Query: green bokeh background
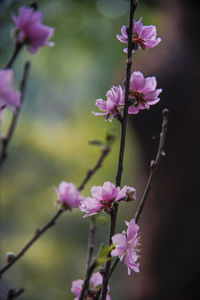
column 51, row 142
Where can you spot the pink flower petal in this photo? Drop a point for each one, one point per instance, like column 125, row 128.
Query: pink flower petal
column 137, row 81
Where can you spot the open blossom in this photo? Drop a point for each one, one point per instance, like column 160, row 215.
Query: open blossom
column 68, row 195
column 143, row 37
column 29, row 29
column 95, row 282
column 126, row 246
column 103, row 198
column 9, row 96
column 113, row 105
column 143, row 92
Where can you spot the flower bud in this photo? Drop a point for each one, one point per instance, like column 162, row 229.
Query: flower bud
column 10, row 256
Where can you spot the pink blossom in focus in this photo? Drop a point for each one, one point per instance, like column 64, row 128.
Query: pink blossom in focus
column 95, row 282
column 9, row 96
column 103, row 198
column 29, row 29
column 126, row 246
column 113, row 106
column 68, row 195
column 143, row 92
column 143, row 37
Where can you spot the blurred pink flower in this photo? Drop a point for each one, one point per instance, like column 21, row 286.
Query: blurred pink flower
column 143, row 92
column 29, row 29
column 95, row 282
column 103, row 198
column 114, row 104
column 9, row 96
column 68, row 195
column 126, row 246
column 143, row 37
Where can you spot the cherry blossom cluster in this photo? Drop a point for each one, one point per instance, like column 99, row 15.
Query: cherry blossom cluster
column 28, row 31
column 143, row 92
column 95, row 283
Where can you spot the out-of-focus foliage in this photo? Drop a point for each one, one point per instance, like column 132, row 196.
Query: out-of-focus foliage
column 51, row 140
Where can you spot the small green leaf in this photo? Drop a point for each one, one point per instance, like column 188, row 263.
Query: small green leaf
column 102, row 255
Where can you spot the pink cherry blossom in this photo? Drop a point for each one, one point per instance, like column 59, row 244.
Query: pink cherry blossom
column 143, row 92
column 9, row 96
column 113, row 106
column 29, row 29
column 103, row 198
column 143, row 37
column 68, row 195
column 126, row 246
column 95, row 282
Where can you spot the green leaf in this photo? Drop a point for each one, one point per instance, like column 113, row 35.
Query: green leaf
column 103, row 253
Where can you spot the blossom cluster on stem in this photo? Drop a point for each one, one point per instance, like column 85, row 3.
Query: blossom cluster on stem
column 143, row 37
column 104, row 197
column 142, row 94
column 29, row 30
column 95, row 282
column 127, row 246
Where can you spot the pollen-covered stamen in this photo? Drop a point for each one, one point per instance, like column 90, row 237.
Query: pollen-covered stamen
column 138, row 97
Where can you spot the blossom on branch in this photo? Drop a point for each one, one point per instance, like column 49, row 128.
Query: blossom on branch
column 126, row 246
column 9, row 96
column 113, row 106
column 29, row 29
column 104, row 197
column 95, row 282
column 143, row 92
column 68, row 195
column 143, row 37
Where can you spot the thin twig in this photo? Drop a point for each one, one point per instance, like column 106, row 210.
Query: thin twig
column 17, row 49
column 12, row 294
column 36, row 236
column 133, row 5
column 55, row 217
column 154, row 164
column 91, row 235
column 6, row 140
column 89, row 174
column 87, row 280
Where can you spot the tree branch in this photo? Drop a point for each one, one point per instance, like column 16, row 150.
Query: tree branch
column 90, row 173
column 87, row 280
column 12, row 294
column 17, row 48
column 133, row 5
column 154, row 164
column 6, row 140
column 36, row 236
column 90, row 242
column 39, row 232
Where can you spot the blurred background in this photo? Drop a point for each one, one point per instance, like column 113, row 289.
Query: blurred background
column 51, row 144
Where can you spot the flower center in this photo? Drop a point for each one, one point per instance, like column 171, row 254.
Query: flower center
column 137, row 41
column 137, row 98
